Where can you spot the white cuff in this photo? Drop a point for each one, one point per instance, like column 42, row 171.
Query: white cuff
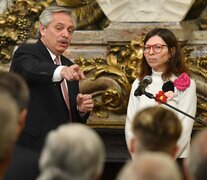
column 56, row 75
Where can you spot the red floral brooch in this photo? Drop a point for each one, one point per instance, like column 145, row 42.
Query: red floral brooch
column 181, row 83
column 161, row 96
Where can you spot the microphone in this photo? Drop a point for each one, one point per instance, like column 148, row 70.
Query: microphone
column 168, row 86
column 151, row 96
column 142, row 86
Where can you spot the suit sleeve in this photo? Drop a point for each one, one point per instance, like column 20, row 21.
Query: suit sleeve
column 32, row 65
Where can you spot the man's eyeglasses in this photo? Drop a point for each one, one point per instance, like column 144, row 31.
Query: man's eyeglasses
column 157, row 48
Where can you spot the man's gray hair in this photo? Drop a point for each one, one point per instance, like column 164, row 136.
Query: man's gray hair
column 46, row 16
column 72, row 152
column 8, row 123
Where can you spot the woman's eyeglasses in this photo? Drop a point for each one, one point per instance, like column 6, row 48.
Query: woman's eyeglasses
column 157, row 48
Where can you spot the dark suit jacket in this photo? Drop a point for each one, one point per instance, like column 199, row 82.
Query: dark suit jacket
column 47, row 108
column 24, row 165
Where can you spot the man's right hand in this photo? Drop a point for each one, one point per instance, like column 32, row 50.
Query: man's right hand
column 72, row 73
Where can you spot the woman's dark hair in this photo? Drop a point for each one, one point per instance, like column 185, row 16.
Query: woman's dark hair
column 176, row 62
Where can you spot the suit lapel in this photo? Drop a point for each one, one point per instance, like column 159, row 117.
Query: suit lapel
column 65, row 61
column 44, row 51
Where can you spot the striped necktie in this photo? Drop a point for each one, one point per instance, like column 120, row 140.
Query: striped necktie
column 64, row 88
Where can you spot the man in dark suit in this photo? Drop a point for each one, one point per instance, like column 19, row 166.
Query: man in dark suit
column 37, row 64
column 47, row 107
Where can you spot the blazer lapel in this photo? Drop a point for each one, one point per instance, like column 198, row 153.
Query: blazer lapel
column 44, row 51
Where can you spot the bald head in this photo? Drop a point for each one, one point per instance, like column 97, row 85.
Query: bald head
column 151, row 165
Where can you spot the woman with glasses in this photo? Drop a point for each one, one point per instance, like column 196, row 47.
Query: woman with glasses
column 163, row 62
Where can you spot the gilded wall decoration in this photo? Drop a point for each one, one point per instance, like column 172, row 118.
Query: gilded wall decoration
column 108, row 79
column 198, row 67
column 20, row 21
column 17, row 24
column 88, row 13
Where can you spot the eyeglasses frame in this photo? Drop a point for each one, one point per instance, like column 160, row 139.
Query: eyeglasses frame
column 152, row 47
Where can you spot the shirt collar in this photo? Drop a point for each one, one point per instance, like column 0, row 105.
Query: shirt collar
column 53, row 56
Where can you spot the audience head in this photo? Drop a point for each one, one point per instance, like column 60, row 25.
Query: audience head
column 150, row 166
column 15, row 85
column 156, row 129
column 8, row 123
column 197, row 161
column 72, row 152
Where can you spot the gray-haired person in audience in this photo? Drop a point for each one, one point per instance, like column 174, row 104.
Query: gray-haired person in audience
column 155, row 129
column 8, row 124
column 72, row 152
column 150, row 166
column 15, row 85
column 195, row 166
column 22, row 158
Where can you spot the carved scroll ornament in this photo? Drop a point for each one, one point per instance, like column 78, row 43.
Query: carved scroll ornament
column 109, row 80
column 198, row 66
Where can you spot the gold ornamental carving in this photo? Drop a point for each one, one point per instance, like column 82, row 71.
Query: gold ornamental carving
column 198, row 67
column 108, row 79
column 17, row 24
column 20, row 21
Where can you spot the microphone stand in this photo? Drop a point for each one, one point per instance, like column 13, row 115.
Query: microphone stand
column 149, row 95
